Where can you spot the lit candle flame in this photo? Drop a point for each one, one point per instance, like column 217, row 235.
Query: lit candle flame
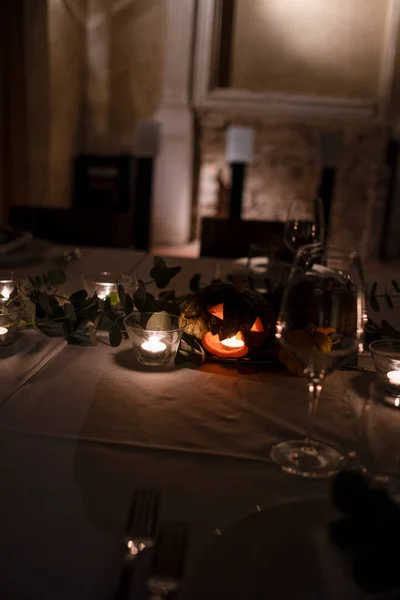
column 105, row 290
column 6, row 291
column 3, row 330
column 232, row 343
column 154, row 345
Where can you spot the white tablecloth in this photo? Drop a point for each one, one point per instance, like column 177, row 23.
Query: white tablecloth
column 88, row 428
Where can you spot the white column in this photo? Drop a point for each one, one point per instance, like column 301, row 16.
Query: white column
column 172, row 197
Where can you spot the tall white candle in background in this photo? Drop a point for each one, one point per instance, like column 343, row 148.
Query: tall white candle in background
column 239, row 144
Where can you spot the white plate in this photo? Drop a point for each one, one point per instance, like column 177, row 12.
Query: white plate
column 281, row 553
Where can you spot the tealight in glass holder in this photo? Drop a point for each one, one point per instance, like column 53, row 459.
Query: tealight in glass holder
column 386, row 357
column 155, row 337
column 106, row 283
column 10, row 316
column 7, row 284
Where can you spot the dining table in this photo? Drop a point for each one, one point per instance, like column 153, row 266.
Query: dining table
column 82, row 427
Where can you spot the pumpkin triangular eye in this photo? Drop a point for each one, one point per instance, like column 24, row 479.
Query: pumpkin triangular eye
column 257, row 325
column 217, row 311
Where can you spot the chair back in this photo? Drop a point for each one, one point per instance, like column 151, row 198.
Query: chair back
column 232, row 238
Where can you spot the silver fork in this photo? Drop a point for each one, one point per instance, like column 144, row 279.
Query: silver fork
column 140, row 534
column 168, row 561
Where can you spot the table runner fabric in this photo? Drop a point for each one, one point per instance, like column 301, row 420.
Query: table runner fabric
column 20, row 361
column 188, row 410
column 87, row 428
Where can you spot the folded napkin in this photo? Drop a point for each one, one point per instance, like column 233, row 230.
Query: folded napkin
column 29, row 352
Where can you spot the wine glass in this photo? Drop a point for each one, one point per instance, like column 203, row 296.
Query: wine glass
column 320, row 329
column 304, row 223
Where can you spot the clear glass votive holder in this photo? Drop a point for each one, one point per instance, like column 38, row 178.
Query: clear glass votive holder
column 106, row 283
column 386, row 357
column 155, row 336
column 7, row 284
column 10, row 316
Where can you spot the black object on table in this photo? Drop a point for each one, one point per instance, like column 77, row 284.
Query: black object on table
column 369, row 532
column 238, row 172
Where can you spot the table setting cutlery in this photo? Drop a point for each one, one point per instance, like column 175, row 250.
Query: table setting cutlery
column 140, row 535
column 168, row 562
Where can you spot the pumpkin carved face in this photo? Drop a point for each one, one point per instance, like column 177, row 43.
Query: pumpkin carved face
column 229, row 323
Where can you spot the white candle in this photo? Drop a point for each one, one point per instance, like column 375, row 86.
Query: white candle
column 3, row 330
column 239, row 144
column 232, row 343
column 394, row 377
column 153, row 346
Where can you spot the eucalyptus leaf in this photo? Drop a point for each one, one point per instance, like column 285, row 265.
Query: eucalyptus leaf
column 128, row 306
column 44, row 301
column 70, row 312
column 159, row 321
column 144, row 301
column 78, row 298
column 163, row 275
column 56, row 277
column 159, row 262
column 174, row 271
column 190, row 351
column 140, row 292
column 170, row 307
column 115, row 335
column 121, row 294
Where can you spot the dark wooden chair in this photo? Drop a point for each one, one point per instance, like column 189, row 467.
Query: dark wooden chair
column 111, row 205
column 232, row 238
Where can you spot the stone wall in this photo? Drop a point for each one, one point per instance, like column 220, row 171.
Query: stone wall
column 287, row 162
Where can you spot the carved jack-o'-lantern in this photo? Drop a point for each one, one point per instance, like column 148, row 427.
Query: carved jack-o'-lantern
column 229, row 323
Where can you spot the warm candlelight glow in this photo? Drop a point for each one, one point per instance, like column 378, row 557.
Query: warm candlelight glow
column 232, row 342
column 394, row 377
column 105, row 290
column 154, row 345
column 3, row 330
column 5, row 291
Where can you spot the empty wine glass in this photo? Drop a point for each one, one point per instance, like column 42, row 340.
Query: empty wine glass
column 304, row 223
column 320, row 329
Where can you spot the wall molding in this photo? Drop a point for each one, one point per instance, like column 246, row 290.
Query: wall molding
column 206, row 95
